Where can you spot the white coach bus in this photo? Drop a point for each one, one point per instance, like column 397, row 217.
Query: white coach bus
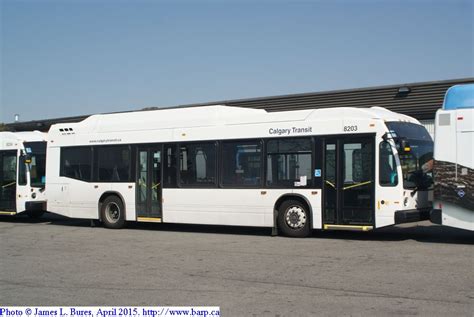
column 22, row 173
column 454, row 159
column 345, row 168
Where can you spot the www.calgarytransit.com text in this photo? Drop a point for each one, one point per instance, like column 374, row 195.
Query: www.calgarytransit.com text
column 108, row 311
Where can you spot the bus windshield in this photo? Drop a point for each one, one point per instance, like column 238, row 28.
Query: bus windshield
column 417, row 163
column 37, row 153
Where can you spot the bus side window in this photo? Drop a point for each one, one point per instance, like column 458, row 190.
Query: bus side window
column 289, row 162
column 169, row 166
column 76, row 162
column 114, row 163
column 387, row 166
column 198, row 164
column 241, row 163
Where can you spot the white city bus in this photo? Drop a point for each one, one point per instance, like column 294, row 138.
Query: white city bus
column 454, row 159
column 22, row 173
column 345, row 168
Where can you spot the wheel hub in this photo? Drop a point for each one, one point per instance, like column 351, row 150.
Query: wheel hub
column 112, row 212
column 295, row 217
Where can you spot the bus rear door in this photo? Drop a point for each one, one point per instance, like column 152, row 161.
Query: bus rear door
column 148, row 183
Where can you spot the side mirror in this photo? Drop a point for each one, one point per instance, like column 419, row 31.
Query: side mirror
column 405, row 146
column 26, row 157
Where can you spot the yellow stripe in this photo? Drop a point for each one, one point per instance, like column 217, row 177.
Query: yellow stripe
column 10, row 213
column 330, row 184
column 5, row 186
column 357, row 185
column 148, row 219
column 348, row 227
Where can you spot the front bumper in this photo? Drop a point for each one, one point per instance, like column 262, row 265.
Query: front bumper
column 412, row 215
column 35, row 206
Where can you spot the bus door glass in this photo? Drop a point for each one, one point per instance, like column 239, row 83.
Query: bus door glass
column 8, row 180
column 349, row 181
column 148, row 183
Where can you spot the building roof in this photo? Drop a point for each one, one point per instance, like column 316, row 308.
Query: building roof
column 418, row 100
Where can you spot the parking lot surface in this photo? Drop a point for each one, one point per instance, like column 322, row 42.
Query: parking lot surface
column 416, row 269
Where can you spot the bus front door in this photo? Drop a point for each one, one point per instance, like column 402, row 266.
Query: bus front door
column 348, row 186
column 148, row 184
column 8, row 182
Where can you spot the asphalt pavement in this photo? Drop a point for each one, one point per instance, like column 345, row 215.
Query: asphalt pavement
column 415, row 269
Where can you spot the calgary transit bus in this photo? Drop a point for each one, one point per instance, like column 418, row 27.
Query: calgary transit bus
column 22, row 173
column 293, row 171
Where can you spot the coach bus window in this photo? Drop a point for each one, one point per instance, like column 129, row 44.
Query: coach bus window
column 198, row 164
column 113, row 164
column 76, row 162
column 169, row 165
column 241, row 163
column 388, row 167
column 289, row 162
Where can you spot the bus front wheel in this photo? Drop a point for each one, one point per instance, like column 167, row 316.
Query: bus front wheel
column 113, row 213
column 293, row 219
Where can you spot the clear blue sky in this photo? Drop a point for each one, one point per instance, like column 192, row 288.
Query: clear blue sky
column 65, row 58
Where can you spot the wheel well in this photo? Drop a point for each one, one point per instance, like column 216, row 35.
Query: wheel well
column 299, row 198
column 108, row 194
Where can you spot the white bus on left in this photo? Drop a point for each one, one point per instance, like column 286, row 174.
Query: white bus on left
column 22, row 173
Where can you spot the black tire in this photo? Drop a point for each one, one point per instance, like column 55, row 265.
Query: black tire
column 35, row 214
column 293, row 219
column 112, row 212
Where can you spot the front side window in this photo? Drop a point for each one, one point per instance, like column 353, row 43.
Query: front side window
column 113, row 164
column 76, row 162
column 289, row 162
column 241, row 163
column 388, row 175
column 197, row 164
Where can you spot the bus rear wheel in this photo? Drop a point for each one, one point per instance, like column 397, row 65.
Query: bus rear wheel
column 293, row 219
column 113, row 213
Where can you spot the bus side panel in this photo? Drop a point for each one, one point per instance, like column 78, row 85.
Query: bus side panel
column 241, row 207
column 84, row 202
column 58, row 198
column 57, row 188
